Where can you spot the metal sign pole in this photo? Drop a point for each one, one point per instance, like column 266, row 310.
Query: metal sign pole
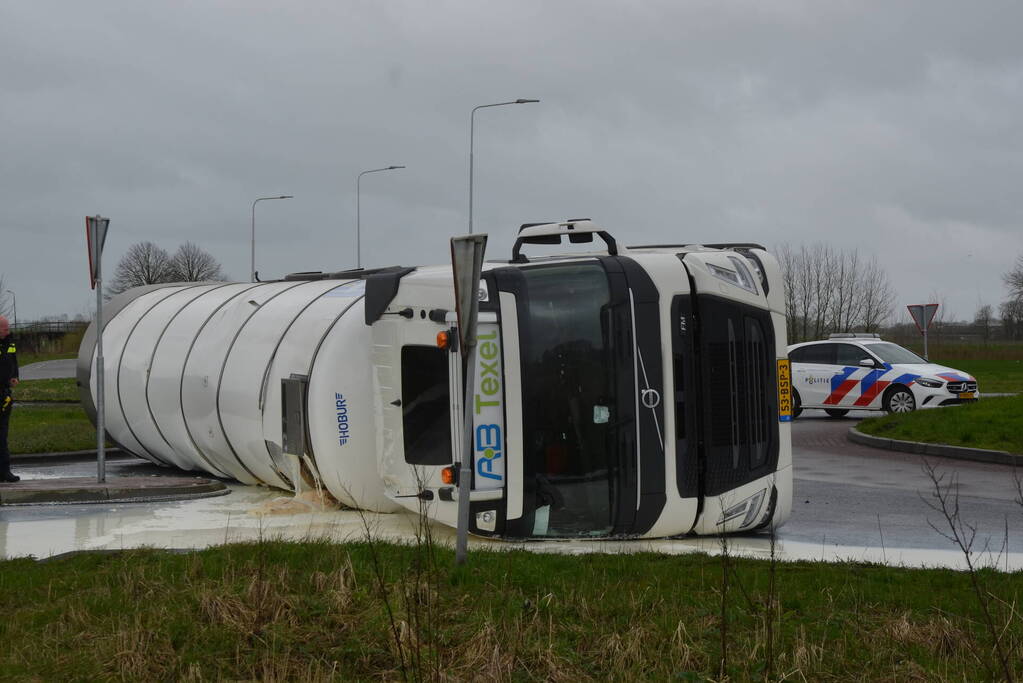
column 96, row 235
column 101, row 476
column 922, row 315
column 466, row 267
column 465, row 471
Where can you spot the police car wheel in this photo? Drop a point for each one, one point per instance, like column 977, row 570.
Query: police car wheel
column 797, row 405
column 836, row 412
column 899, row 400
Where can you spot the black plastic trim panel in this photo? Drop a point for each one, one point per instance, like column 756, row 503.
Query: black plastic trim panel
column 381, row 288
column 352, row 274
column 650, row 450
column 687, row 396
column 511, row 280
column 519, row 257
column 739, row 399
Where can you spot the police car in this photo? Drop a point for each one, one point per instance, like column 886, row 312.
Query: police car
column 864, row 372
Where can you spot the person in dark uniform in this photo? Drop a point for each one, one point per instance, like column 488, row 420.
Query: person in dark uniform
column 8, row 379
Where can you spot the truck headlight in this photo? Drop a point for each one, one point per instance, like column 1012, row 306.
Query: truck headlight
column 929, row 383
column 740, row 277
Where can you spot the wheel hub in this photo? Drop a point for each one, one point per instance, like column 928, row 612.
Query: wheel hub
column 902, row 403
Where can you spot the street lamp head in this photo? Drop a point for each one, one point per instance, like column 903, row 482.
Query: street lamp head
column 521, row 101
column 286, row 196
column 391, row 168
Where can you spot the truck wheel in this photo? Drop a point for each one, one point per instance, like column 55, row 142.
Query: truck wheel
column 899, row 400
column 836, row 412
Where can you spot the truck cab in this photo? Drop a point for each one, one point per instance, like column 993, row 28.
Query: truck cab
column 632, row 392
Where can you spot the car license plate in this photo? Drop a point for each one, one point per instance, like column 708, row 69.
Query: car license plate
column 966, row 394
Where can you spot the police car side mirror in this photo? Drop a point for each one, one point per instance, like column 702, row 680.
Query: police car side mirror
column 868, row 363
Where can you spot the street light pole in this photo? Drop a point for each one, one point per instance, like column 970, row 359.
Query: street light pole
column 358, row 210
column 252, row 269
column 472, row 126
column 14, row 299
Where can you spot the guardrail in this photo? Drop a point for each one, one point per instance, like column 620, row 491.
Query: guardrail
column 49, row 336
column 48, row 327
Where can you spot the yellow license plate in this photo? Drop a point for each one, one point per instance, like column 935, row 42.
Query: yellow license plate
column 784, row 390
column 966, row 394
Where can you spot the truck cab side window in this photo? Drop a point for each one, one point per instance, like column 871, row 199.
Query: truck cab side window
column 425, row 405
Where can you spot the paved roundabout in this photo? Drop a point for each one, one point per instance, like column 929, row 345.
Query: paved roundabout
column 851, row 502
column 848, row 494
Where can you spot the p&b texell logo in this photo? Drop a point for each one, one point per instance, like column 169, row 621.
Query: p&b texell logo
column 488, row 445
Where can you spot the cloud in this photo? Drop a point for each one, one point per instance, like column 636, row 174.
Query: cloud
column 889, row 128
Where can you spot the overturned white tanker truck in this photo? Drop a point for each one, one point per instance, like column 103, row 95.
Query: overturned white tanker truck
column 631, row 392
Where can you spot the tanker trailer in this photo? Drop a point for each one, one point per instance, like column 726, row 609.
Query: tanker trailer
column 628, row 392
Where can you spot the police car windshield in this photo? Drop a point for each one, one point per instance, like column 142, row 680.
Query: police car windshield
column 893, row 353
column 567, row 385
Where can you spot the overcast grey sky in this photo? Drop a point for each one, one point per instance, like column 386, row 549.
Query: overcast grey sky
column 895, row 128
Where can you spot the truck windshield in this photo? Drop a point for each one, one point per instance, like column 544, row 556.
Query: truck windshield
column 568, row 385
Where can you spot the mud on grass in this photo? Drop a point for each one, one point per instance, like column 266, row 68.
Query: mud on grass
column 314, row 611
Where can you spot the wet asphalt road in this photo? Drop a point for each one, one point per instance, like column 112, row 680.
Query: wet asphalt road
column 49, row 369
column 852, row 495
column 850, row 502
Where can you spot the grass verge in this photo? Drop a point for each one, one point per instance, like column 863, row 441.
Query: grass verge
column 994, row 350
column 993, row 423
column 313, row 611
column 994, row 375
column 64, row 390
column 40, row 428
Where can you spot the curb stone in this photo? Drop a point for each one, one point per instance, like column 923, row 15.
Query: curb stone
column 938, row 450
column 79, row 490
column 112, row 453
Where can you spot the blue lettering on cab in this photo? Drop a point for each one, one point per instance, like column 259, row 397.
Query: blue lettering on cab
column 488, row 449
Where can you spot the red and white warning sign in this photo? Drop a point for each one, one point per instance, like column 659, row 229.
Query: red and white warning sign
column 95, row 237
column 922, row 314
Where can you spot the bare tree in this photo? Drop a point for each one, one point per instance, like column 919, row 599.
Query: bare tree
column 6, row 301
column 191, row 263
column 878, row 297
column 822, row 267
column 846, row 309
column 827, row 290
column 982, row 319
column 144, row 264
column 806, row 294
column 1014, row 279
column 1012, row 319
column 1012, row 310
column 941, row 317
column 787, row 261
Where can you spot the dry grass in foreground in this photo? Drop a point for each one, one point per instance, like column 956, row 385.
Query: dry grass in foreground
column 316, row 611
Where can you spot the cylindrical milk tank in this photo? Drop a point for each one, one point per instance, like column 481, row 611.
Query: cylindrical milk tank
column 193, row 379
